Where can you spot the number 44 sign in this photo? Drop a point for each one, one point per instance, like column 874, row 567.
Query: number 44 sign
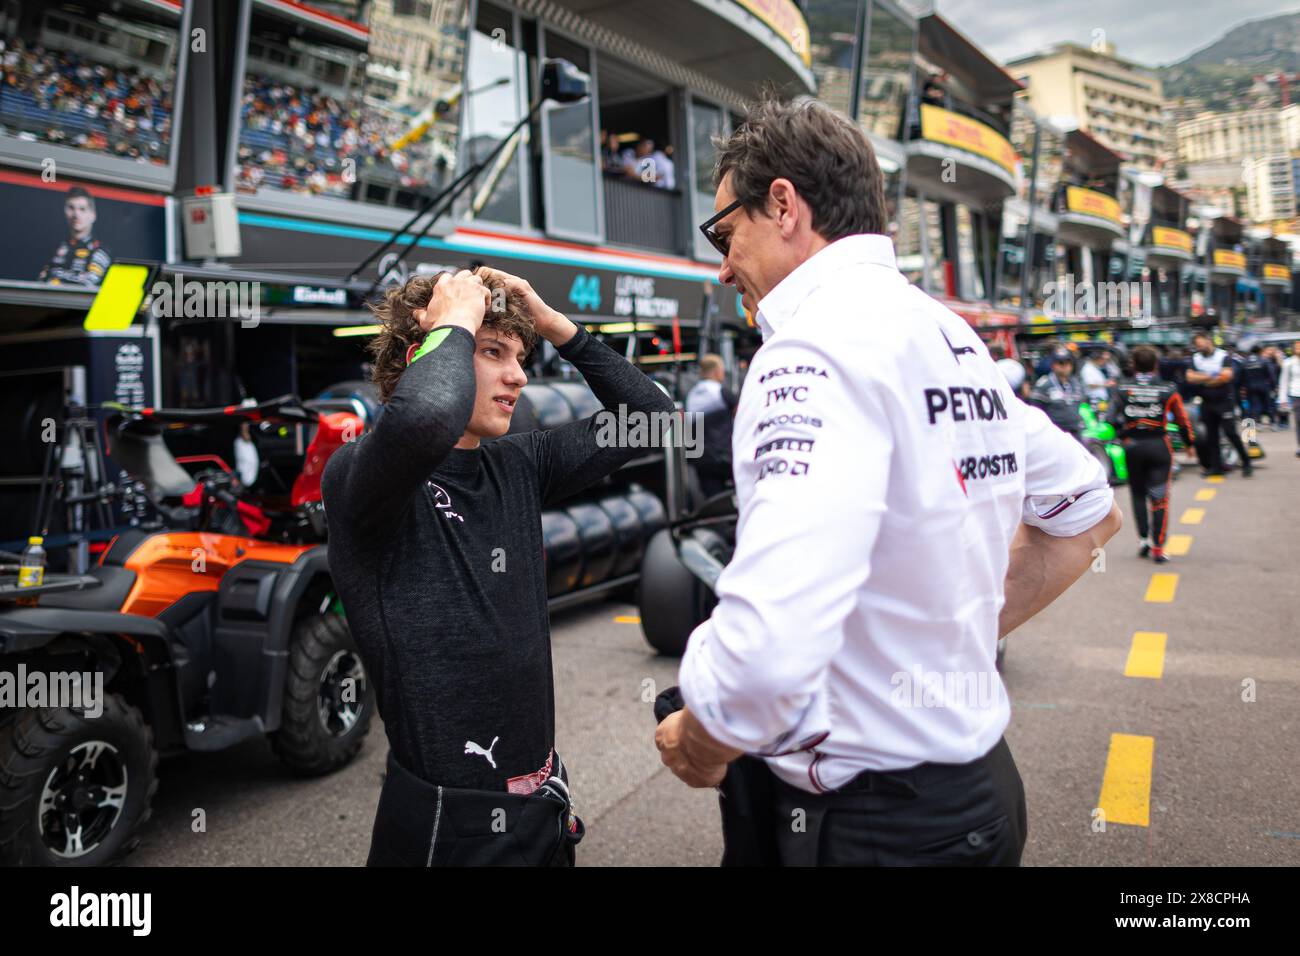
column 585, row 292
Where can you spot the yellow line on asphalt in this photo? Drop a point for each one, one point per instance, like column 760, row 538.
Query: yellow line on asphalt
column 1206, row 494
column 1178, row 544
column 1192, row 516
column 1161, row 589
column 1215, row 479
column 1146, row 658
column 627, row 619
column 1126, row 786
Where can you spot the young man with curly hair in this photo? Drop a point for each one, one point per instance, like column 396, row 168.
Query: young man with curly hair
column 436, row 550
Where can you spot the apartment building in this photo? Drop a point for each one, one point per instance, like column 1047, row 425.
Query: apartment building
column 1118, row 102
column 1270, row 188
column 1230, row 138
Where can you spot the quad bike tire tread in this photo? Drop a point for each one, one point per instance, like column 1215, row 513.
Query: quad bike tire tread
column 299, row 742
column 26, row 739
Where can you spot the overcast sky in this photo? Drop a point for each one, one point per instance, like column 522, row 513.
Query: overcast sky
column 1150, row 32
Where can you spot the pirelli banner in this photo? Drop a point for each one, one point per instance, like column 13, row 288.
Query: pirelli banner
column 1275, row 272
column 1164, row 237
column 1227, row 259
column 1090, row 202
column 952, row 129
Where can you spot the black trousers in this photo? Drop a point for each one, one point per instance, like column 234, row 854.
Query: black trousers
column 421, row 824
column 933, row 815
column 1149, row 462
column 1220, row 418
column 1258, row 402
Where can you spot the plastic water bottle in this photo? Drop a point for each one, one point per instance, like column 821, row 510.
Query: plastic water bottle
column 31, row 568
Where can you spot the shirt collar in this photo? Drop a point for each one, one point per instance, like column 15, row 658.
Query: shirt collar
column 778, row 306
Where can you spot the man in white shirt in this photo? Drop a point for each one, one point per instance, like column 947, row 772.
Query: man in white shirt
column 1288, row 390
column 900, row 510
column 1096, row 381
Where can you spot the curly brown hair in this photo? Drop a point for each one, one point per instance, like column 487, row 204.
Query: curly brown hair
column 400, row 330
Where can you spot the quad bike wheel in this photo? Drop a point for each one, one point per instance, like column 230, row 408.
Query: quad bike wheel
column 75, row 789
column 328, row 699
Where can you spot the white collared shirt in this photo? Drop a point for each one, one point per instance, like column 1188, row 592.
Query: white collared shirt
column 882, row 466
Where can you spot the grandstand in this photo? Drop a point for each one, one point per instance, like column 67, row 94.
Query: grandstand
column 67, row 98
column 297, row 138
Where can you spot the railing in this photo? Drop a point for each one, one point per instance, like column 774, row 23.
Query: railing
column 641, row 215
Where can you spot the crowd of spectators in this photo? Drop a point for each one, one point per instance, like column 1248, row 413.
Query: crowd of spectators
column 61, row 97
column 298, row 139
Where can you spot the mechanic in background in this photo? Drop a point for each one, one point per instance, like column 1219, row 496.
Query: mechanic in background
column 711, row 399
column 1139, row 408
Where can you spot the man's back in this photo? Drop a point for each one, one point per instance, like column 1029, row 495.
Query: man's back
column 1142, row 406
column 714, row 403
column 875, row 424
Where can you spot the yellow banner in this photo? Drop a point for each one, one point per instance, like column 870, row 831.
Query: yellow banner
column 1274, row 271
column 1092, row 203
column 786, row 22
column 1166, row 238
column 952, row 129
column 1229, row 259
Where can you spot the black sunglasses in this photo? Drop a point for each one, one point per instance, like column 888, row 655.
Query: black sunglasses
column 721, row 243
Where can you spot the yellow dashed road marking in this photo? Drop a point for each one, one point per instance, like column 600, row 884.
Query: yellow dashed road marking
column 1146, row 658
column 1162, row 587
column 1178, row 544
column 1215, row 479
column 1192, row 516
column 627, row 619
column 1126, row 786
column 1206, row 494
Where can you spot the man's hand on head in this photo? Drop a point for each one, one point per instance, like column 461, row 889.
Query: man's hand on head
column 459, row 299
column 551, row 325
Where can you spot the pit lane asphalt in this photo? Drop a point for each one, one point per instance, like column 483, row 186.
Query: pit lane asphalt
column 1224, row 785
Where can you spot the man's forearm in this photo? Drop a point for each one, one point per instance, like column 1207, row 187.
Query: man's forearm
column 612, row 378
column 1042, row 568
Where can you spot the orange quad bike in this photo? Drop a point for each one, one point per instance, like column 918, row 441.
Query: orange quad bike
column 212, row 623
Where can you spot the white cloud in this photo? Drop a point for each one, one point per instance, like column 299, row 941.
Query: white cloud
column 1152, row 34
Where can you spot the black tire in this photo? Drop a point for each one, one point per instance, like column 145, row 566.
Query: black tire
column 673, row 601
column 1098, row 451
column 46, row 747
column 320, row 731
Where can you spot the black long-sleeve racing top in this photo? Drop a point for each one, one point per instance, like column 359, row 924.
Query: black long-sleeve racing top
column 437, row 555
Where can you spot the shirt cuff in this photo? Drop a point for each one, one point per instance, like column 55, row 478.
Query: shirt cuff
column 700, row 693
column 1069, row 515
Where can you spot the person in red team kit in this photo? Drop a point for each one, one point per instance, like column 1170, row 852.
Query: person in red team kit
column 1141, row 406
